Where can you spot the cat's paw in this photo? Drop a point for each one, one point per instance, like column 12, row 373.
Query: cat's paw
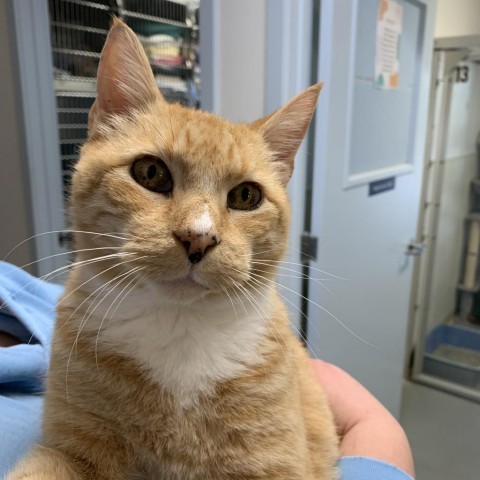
column 44, row 464
column 27, row 474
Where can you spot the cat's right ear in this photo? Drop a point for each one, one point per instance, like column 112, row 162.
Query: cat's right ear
column 124, row 79
column 284, row 129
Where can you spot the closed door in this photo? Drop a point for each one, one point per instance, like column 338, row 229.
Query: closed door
column 369, row 148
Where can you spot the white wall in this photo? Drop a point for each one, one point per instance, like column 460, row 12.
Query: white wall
column 14, row 210
column 457, row 17
column 464, row 113
column 241, row 49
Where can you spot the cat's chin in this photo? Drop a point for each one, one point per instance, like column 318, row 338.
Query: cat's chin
column 185, row 289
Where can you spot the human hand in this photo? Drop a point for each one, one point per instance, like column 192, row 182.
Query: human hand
column 365, row 426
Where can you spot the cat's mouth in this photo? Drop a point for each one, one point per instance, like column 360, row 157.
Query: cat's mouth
column 185, row 284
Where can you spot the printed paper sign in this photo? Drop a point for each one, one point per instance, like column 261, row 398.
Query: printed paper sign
column 389, row 32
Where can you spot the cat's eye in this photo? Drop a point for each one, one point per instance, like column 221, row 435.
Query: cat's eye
column 246, row 196
column 151, row 173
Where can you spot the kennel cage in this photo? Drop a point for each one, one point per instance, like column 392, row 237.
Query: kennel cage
column 446, row 342
column 169, row 33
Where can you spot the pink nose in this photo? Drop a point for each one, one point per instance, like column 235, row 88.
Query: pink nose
column 196, row 245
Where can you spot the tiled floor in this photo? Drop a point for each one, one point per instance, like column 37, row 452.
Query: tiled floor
column 444, row 432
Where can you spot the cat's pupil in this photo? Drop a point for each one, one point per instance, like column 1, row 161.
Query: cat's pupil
column 152, row 170
column 246, row 196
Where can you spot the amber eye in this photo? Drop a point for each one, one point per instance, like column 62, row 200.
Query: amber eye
column 246, row 196
column 152, row 173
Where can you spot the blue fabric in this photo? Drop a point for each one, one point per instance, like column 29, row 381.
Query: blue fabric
column 20, row 427
column 363, row 468
column 27, row 311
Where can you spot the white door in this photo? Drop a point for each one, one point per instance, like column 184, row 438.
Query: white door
column 366, row 134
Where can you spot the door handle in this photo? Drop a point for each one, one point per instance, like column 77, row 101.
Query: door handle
column 415, row 249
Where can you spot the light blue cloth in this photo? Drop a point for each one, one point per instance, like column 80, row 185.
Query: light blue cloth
column 363, row 468
column 20, row 427
column 28, row 313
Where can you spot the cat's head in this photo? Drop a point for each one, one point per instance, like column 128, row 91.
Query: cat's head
column 197, row 203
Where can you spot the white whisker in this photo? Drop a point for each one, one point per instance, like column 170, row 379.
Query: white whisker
column 279, row 262
column 236, row 290
column 101, row 287
column 231, row 301
column 52, row 232
column 132, row 272
column 61, row 270
column 301, row 276
column 352, row 332
column 83, row 321
column 264, row 316
column 64, row 253
column 331, row 315
column 263, row 284
column 141, row 279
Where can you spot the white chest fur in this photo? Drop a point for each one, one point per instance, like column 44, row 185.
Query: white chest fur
column 188, row 349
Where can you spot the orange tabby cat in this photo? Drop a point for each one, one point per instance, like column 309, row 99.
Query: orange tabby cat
column 172, row 357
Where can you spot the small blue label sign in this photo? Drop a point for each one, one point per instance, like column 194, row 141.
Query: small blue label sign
column 381, row 186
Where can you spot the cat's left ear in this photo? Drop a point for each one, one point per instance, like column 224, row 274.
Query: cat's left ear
column 124, row 80
column 284, row 129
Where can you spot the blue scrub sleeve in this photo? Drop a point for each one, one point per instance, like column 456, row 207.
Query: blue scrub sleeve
column 27, row 311
column 364, row 468
column 20, row 427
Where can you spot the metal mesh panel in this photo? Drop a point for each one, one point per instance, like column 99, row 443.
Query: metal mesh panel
column 169, row 32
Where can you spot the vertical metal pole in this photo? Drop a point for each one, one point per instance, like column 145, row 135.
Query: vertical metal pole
column 307, row 221
column 436, row 167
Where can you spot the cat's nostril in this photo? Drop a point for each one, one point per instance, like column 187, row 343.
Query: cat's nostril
column 197, row 245
column 195, row 257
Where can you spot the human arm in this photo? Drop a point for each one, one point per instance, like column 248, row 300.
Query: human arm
column 366, row 427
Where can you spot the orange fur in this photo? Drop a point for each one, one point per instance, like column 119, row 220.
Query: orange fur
column 161, row 369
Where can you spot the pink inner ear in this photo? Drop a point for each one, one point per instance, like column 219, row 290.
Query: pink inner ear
column 92, row 116
column 125, row 80
column 285, row 129
column 109, row 99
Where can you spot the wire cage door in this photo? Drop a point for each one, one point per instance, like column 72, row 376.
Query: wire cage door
column 169, row 33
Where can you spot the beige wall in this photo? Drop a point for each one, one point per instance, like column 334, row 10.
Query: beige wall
column 456, row 18
column 14, row 219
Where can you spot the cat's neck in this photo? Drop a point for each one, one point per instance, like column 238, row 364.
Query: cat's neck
column 187, row 348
